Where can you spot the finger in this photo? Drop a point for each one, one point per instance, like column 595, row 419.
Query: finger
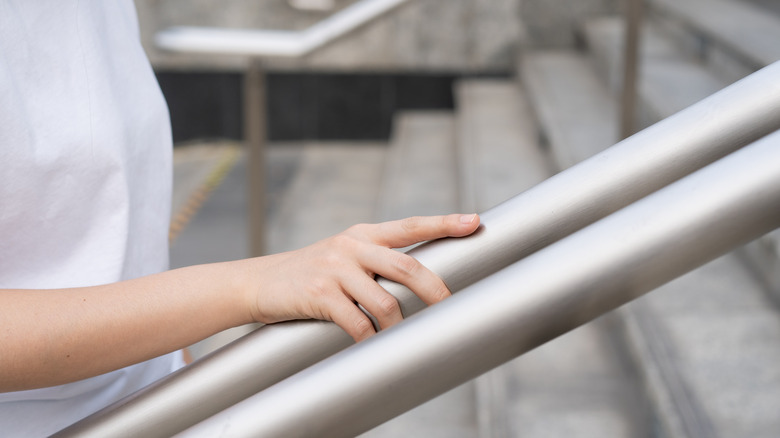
column 404, row 269
column 379, row 303
column 350, row 318
column 405, row 232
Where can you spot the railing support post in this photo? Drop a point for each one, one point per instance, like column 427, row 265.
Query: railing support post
column 255, row 136
column 628, row 98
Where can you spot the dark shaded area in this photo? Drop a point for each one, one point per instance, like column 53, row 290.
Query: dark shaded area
column 302, row 106
column 770, row 5
column 203, row 105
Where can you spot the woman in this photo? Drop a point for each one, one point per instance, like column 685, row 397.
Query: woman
column 89, row 312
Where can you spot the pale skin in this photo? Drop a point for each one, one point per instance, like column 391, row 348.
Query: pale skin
column 51, row 337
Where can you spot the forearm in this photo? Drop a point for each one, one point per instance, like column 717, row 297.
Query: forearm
column 51, row 337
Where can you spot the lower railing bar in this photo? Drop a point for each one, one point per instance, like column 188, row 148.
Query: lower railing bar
column 570, row 200
column 531, row 302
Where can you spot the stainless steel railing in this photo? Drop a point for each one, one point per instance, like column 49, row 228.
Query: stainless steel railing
column 555, row 290
column 275, row 43
column 634, row 168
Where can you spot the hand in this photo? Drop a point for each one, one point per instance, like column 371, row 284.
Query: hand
column 327, row 279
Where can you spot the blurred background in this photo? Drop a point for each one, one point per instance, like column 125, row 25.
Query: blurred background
column 438, row 106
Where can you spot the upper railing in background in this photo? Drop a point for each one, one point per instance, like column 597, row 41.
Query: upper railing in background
column 274, row 43
column 313, row 5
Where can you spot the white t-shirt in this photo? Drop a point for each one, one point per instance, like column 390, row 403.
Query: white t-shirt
column 85, row 177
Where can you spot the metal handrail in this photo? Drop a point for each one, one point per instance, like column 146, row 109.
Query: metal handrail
column 312, row 5
column 561, row 287
column 650, row 160
column 263, row 43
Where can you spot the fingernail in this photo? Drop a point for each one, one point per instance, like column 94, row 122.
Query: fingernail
column 468, row 218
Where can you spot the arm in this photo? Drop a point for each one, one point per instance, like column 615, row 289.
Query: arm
column 50, row 337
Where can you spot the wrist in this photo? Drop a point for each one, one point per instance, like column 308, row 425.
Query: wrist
column 244, row 280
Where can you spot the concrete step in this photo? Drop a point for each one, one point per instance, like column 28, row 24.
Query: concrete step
column 498, row 152
column 194, row 166
column 420, row 178
column 335, row 186
column 669, row 79
column 702, row 344
column 498, row 157
column 420, row 172
column 577, row 384
column 762, row 258
column 709, row 344
column 734, row 37
column 604, row 38
column 576, row 113
column 206, row 228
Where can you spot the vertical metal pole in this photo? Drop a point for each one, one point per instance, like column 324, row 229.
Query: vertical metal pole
column 255, row 138
column 628, row 99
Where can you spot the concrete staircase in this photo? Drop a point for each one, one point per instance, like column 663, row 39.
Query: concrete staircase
column 699, row 357
column 487, row 152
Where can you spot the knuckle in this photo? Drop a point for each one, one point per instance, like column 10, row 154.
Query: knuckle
column 357, row 230
column 363, row 327
column 412, row 224
column 342, row 241
column 440, row 293
column 406, row 265
column 332, row 260
column 388, row 305
column 339, row 253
